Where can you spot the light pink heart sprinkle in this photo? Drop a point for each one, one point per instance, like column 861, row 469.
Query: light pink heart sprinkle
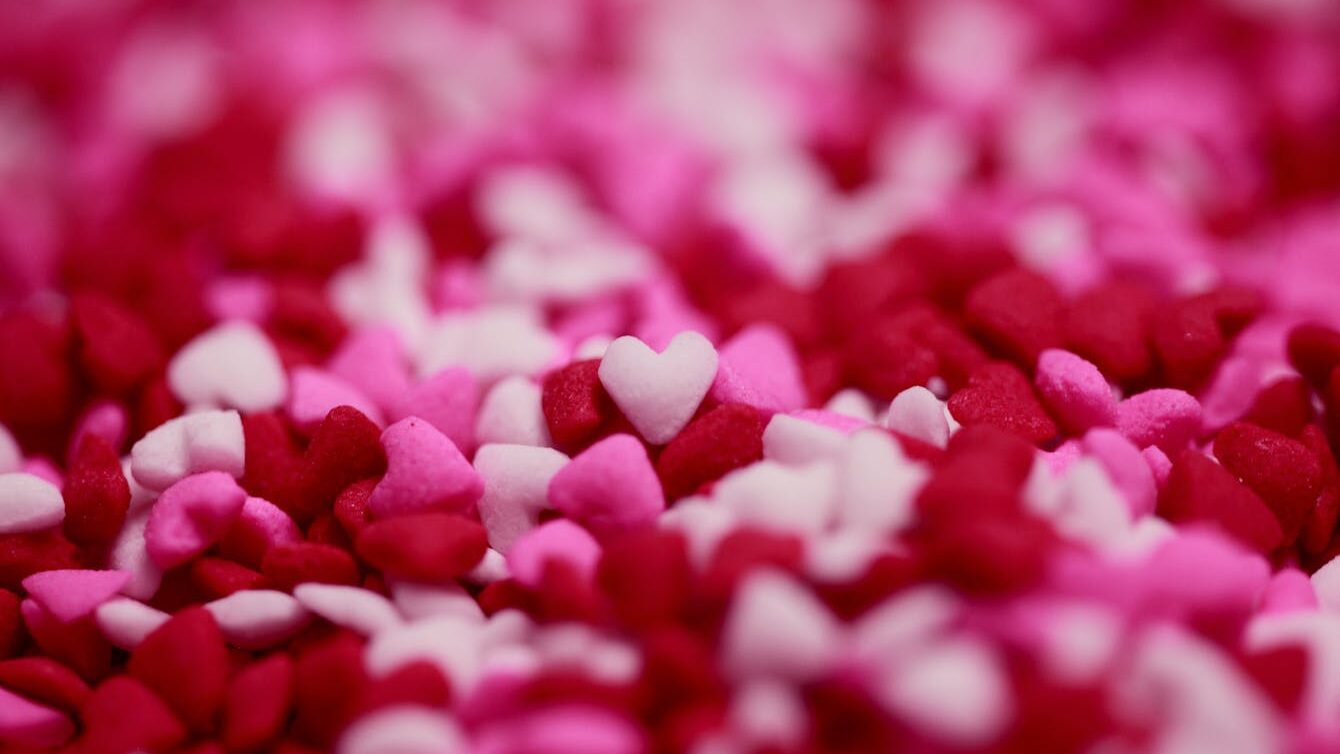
column 758, row 366
column 425, row 472
column 1075, row 390
column 556, row 540
column 314, row 392
column 190, row 516
column 611, row 486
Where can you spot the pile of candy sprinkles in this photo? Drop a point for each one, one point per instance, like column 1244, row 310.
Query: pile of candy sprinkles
column 656, row 376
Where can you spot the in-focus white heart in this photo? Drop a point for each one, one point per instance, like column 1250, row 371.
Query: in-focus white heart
column 233, row 365
column 659, row 392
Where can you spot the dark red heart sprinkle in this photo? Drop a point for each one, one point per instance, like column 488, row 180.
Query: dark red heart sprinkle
column 46, row 681
column 186, row 663
column 286, row 566
column 1017, row 313
column 96, row 493
column 1201, row 491
column 721, row 440
column 999, row 395
column 1283, row 471
column 257, row 704
column 575, row 404
column 430, row 547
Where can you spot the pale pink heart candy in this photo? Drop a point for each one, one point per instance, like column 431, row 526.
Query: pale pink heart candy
column 876, row 483
column 425, row 472
column 787, row 499
column 659, row 392
column 795, row 441
column 704, row 525
column 758, row 366
column 492, row 342
column 1087, row 507
column 190, row 444
column 1326, row 584
column 125, row 622
column 1075, row 390
column 105, row 419
column 1290, row 590
column 459, row 659
column 516, row 489
column 351, row 607
column 372, row 360
column 610, row 486
column 402, row 729
column 1165, row 417
column 558, row 540
column 141, row 497
column 11, row 457
column 492, row 567
column 1126, row 467
column 844, row 423
column 777, row 629
column 314, row 392
column 449, row 400
column 511, row 414
column 417, row 601
column 190, row 516
column 562, row 729
column 258, row 618
column 917, row 413
column 954, row 690
column 70, row 594
column 24, row 723
column 30, row 503
column 129, row 553
column 769, row 714
column 234, row 365
column 850, row 404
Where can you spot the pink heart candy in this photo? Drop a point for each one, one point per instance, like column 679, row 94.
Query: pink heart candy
column 28, row 724
column 611, row 486
column 1126, row 467
column 1165, row 417
column 71, row 594
column 314, row 392
column 1075, row 390
column 30, row 503
column 449, row 400
column 758, row 367
column 557, row 540
column 425, row 471
column 190, row 516
column 372, row 360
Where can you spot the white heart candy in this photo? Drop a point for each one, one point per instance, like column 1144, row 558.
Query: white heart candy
column 659, row 392
column 30, row 503
column 189, row 444
column 233, row 365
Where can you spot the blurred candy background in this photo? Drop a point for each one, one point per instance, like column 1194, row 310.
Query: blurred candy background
column 506, row 185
